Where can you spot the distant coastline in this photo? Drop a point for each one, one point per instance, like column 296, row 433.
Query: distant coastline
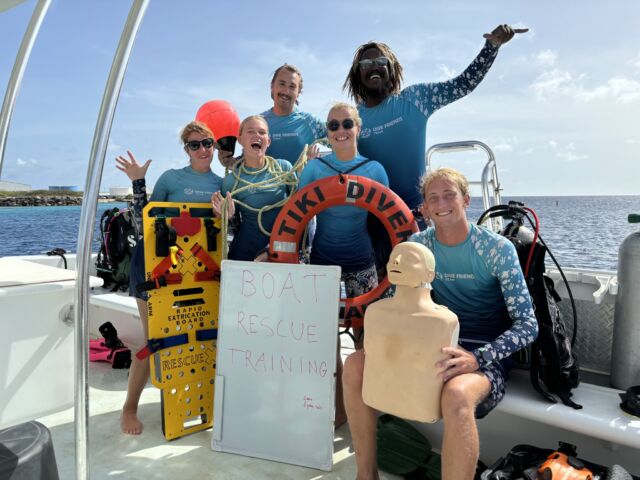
column 45, row 198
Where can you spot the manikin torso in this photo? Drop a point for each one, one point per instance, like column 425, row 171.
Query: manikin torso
column 404, row 339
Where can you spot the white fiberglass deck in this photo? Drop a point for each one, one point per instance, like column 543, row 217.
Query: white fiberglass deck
column 150, row 456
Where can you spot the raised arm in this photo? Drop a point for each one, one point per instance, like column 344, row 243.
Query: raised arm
column 136, row 174
column 439, row 94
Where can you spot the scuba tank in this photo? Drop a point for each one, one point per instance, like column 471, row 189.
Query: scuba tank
column 625, row 367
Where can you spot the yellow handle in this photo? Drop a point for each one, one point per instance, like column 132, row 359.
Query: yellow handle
column 173, row 251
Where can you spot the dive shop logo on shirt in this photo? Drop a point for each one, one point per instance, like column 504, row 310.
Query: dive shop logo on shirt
column 281, row 135
column 378, row 129
column 452, row 277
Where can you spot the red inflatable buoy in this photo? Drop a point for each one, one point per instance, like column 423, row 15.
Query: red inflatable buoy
column 222, row 119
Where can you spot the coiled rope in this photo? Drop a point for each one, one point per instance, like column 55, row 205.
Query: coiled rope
column 278, row 178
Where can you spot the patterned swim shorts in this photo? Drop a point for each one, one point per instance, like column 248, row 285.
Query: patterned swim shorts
column 360, row 282
column 497, row 373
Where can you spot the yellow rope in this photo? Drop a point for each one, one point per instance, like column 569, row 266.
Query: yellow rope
column 278, row 177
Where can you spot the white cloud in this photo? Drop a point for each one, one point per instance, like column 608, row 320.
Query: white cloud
column 568, row 152
column 547, row 58
column 114, row 147
column 571, row 157
column 503, row 147
column 528, row 151
column 620, row 89
column 632, row 141
column 505, row 144
column 553, row 83
column 635, row 61
column 553, row 144
column 28, row 162
column 556, row 83
column 275, row 52
column 446, row 73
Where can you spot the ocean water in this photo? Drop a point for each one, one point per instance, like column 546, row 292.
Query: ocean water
column 580, row 231
column 37, row 230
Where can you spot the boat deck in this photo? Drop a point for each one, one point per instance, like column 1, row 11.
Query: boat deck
column 114, row 455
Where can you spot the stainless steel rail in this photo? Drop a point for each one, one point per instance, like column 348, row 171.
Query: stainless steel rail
column 18, row 71
column 489, row 183
column 87, row 222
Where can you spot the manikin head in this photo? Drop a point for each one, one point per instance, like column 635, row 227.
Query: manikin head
column 411, row 264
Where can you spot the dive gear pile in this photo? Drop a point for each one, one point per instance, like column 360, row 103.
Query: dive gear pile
column 552, row 359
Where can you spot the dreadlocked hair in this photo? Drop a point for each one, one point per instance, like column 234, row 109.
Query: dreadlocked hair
column 353, row 85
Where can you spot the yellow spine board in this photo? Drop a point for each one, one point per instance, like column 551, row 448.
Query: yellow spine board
column 187, row 305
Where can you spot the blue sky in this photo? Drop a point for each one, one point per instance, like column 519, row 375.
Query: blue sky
column 559, row 107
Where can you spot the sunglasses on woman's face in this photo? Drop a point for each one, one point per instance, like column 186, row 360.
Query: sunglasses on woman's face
column 334, row 125
column 194, row 145
column 380, row 61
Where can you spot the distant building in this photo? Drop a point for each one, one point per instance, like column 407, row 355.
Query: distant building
column 120, row 191
column 57, row 188
column 14, row 187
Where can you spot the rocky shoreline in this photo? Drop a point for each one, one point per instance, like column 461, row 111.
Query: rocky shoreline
column 50, row 201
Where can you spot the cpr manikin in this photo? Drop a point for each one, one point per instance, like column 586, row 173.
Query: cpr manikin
column 404, row 339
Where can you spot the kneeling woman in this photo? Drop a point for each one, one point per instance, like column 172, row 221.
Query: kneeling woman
column 341, row 236
column 259, row 185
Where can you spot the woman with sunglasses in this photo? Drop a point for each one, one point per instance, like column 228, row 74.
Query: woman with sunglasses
column 341, row 236
column 193, row 183
column 259, row 184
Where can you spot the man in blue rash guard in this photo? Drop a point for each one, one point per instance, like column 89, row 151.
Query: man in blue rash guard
column 290, row 129
column 478, row 277
column 394, row 121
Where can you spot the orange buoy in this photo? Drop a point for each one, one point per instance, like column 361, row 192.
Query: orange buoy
column 222, row 119
column 327, row 192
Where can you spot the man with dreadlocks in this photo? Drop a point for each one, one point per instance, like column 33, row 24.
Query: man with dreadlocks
column 394, row 121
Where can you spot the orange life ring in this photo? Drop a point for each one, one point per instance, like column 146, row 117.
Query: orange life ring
column 329, row 192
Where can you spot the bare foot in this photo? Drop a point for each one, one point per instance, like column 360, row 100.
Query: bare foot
column 129, row 422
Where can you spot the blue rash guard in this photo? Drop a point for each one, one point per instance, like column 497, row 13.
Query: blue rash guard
column 290, row 133
column 249, row 239
column 394, row 132
column 341, row 236
column 186, row 185
column 481, row 281
column 176, row 185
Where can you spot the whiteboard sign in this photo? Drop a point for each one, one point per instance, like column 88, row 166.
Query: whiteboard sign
column 276, row 362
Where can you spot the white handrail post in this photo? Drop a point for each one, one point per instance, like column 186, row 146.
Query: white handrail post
column 85, row 234
column 24, row 52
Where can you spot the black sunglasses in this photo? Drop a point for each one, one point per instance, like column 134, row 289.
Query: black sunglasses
column 334, row 125
column 380, row 61
column 194, row 145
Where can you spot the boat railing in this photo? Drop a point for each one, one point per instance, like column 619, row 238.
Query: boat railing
column 488, row 183
column 87, row 221
column 17, row 73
